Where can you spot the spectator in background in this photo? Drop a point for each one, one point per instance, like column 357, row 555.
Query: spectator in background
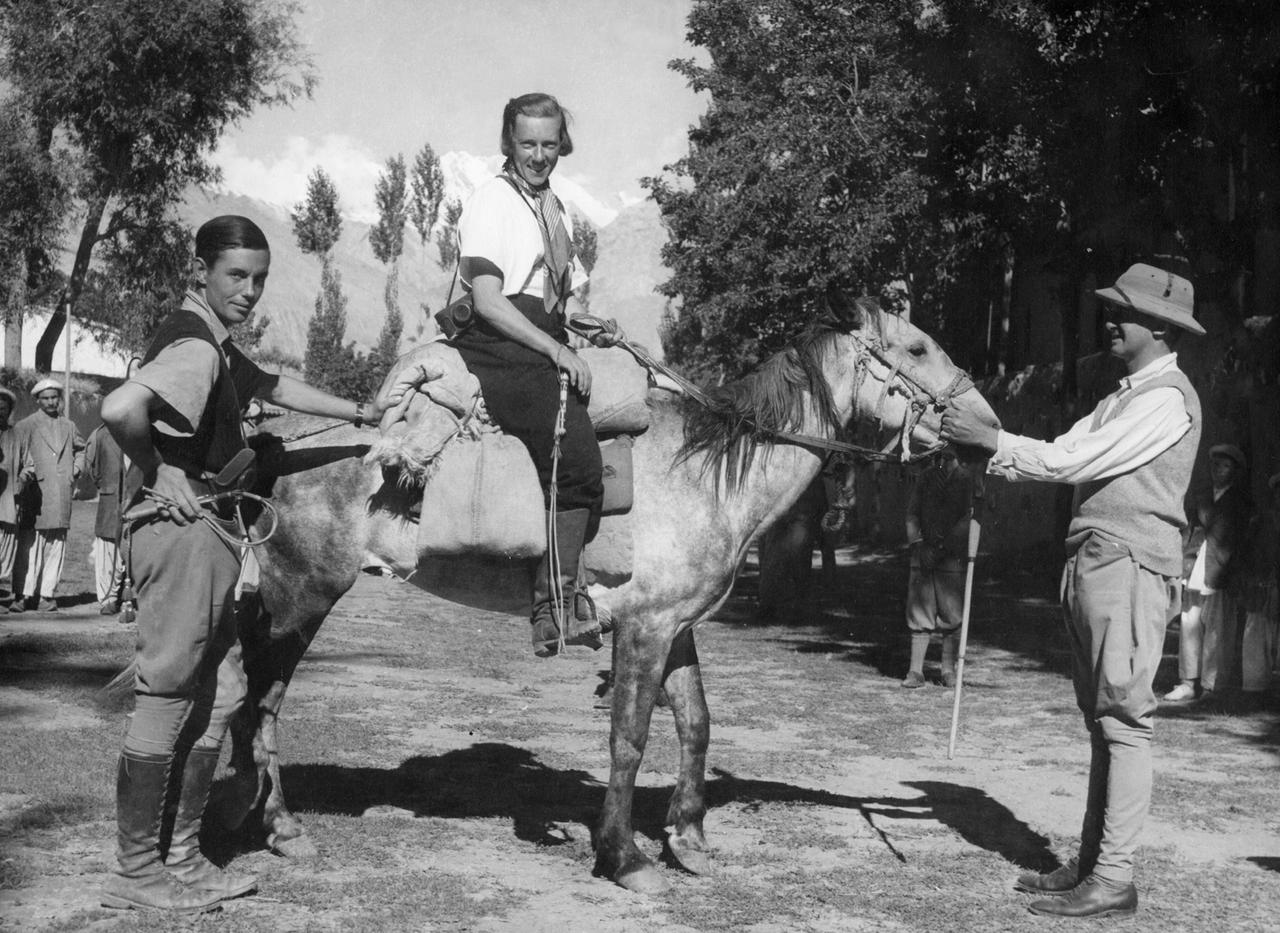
column 1261, row 597
column 107, row 468
column 52, row 456
column 939, row 505
column 10, row 468
column 1218, row 522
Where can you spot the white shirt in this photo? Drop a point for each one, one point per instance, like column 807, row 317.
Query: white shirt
column 500, row 225
column 1132, row 431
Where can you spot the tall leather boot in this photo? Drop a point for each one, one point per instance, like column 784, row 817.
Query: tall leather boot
column 141, row 782
column 185, row 861
column 575, row 608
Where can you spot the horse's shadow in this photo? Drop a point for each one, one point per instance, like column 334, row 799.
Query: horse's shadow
column 491, row 779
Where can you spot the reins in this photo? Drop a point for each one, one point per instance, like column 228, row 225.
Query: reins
column 922, row 398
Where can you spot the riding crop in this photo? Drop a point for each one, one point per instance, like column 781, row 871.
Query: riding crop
column 975, row 533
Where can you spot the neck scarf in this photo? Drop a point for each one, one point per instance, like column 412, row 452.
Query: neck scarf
column 557, row 248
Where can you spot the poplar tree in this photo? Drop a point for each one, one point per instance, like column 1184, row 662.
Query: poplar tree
column 387, row 240
column 317, row 225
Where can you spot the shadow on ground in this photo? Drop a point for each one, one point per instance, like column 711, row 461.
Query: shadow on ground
column 492, row 779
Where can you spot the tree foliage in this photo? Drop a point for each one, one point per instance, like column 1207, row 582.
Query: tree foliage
column 317, row 221
column 390, row 196
column 138, row 280
column 330, row 363
column 940, row 143
column 141, row 91
column 447, row 235
column 33, row 193
column 427, row 181
column 387, row 238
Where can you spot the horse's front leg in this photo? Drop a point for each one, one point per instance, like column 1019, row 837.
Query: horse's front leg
column 285, row 833
column 686, row 841
column 640, row 650
column 270, row 663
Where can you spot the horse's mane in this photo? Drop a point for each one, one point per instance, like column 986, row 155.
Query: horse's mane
column 742, row 415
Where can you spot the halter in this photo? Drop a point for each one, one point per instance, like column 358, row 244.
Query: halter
column 901, row 379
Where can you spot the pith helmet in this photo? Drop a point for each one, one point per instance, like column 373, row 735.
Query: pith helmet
column 1155, row 292
column 44, row 385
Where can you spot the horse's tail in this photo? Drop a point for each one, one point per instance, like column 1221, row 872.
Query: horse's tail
column 120, row 687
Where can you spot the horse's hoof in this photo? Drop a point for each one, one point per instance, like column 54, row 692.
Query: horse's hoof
column 693, row 859
column 644, row 880
column 299, row 848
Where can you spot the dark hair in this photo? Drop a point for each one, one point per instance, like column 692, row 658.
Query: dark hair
column 536, row 104
column 230, row 231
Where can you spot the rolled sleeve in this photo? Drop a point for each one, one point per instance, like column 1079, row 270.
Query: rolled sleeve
column 182, row 375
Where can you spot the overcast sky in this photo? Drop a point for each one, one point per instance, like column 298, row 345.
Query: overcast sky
column 397, row 73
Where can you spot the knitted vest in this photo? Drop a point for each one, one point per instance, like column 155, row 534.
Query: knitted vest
column 1143, row 509
column 220, row 435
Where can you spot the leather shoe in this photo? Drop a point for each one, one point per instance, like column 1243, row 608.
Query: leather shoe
column 1056, row 883
column 1090, row 898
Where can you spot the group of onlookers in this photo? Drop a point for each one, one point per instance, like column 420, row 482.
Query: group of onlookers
column 42, row 458
column 1227, row 650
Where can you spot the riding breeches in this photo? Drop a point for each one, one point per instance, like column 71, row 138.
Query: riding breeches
column 1116, row 612
column 186, row 680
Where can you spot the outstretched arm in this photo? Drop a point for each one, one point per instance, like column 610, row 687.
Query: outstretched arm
column 1140, row 431
column 296, row 395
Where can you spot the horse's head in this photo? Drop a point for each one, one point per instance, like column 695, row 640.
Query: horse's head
column 899, row 379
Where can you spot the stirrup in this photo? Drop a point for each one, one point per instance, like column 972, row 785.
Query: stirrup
column 594, row 612
column 546, row 635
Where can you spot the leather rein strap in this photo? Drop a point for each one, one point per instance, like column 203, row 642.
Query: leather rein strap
column 922, row 397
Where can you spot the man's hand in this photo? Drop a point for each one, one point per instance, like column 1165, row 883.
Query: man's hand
column 576, row 368
column 171, row 484
column 963, row 426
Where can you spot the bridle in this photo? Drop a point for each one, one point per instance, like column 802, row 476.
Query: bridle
column 901, row 378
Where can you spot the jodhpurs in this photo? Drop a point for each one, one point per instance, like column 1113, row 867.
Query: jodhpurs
column 1116, row 612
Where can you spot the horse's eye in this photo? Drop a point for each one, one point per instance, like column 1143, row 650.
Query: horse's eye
column 917, row 350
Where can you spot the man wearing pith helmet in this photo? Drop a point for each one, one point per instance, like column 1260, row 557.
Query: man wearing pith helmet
column 1130, row 462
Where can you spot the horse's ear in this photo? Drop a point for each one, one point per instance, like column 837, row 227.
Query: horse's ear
column 844, row 313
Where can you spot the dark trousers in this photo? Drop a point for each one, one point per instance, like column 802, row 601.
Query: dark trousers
column 521, row 390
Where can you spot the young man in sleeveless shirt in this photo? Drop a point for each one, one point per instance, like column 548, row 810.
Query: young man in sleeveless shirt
column 1130, row 461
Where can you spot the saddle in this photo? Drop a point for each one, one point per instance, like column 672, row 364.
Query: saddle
column 480, row 491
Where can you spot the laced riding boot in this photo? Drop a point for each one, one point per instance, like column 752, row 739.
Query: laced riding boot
column 576, row 608
column 185, row 861
column 141, row 783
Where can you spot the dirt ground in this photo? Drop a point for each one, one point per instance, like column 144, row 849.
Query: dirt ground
column 449, row 779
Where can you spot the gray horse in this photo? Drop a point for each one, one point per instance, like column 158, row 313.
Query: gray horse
column 710, row 476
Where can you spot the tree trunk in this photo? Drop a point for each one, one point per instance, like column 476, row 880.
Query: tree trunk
column 84, row 252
